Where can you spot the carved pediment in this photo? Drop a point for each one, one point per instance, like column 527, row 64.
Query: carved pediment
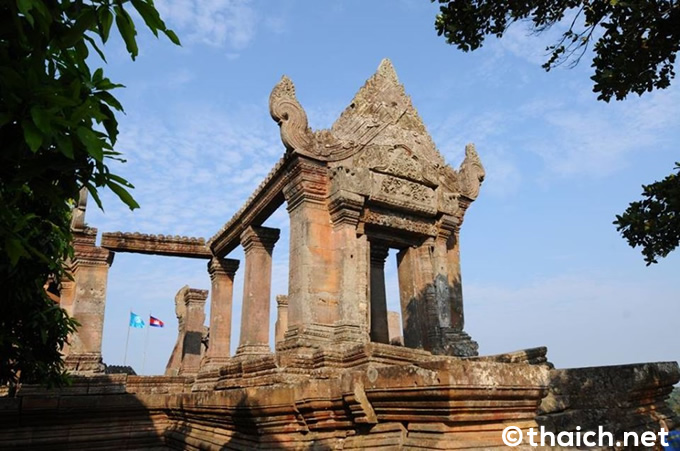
column 380, row 114
column 399, row 161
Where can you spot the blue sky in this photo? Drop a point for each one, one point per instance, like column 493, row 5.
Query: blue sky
column 542, row 263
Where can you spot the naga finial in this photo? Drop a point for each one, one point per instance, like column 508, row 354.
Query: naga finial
column 291, row 117
column 78, row 212
column 472, row 173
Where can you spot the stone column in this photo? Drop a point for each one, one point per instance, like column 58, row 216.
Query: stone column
column 222, row 272
column 194, row 319
column 258, row 244
column 313, row 281
column 352, row 263
column 281, row 317
column 394, row 326
column 416, row 293
column 175, row 361
column 90, row 266
column 67, row 295
column 379, row 325
column 455, row 341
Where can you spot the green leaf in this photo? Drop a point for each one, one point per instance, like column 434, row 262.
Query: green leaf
column 123, row 194
column 65, row 145
column 81, row 50
column 41, row 119
column 95, row 195
column 150, row 16
column 173, row 37
column 120, row 180
column 25, row 7
column 14, row 250
column 31, row 135
column 95, row 47
column 127, row 31
column 106, row 84
column 110, row 99
column 85, row 21
column 110, row 123
column 92, row 143
column 105, row 20
column 97, row 76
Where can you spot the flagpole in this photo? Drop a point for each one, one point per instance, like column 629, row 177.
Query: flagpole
column 127, row 340
column 146, row 342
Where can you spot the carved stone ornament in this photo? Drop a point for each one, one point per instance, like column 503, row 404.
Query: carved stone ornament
column 291, row 117
column 78, row 212
column 471, row 173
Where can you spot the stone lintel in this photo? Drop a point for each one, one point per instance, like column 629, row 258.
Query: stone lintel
column 259, row 237
column 176, row 246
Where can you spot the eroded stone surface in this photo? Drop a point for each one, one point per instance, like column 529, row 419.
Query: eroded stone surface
column 141, row 243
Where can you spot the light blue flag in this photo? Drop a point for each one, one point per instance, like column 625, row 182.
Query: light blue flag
column 136, row 321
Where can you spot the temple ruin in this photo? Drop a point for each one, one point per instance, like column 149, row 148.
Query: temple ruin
column 340, row 373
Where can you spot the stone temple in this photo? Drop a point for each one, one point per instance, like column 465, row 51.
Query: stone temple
column 336, row 377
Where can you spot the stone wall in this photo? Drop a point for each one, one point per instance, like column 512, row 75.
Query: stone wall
column 436, row 403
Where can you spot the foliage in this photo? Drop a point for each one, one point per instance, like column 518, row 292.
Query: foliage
column 636, row 44
column 57, row 132
column 636, row 41
column 654, row 222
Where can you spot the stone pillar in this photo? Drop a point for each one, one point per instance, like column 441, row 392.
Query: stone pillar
column 194, row 319
column 394, row 326
column 313, row 278
column 281, row 317
column 416, row 293
column 379, row 325
column 455, row 341
column 175, row 360
column 90, row 267
column 222, row 272
column 352, row 263
column 431, row 294
column 258, row 244
column 67, row 294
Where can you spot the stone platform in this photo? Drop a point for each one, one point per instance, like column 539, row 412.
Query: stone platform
column 368, row 402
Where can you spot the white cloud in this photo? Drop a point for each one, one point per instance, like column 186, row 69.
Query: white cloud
column 503, row 177
column 191, row 173
column 214, row 22
column 596, row 139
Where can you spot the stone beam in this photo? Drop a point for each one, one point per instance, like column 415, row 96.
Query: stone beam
column 261, row 204
column 140, row 243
